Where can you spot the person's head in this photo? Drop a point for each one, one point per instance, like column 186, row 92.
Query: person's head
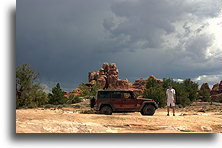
column 170, row 86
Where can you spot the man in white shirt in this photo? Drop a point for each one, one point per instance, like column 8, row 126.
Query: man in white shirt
column 171, row 99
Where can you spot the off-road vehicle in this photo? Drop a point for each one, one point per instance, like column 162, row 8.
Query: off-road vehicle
column 109, row 101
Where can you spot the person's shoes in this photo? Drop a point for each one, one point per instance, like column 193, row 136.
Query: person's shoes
column 173, row 114
column 167, row 114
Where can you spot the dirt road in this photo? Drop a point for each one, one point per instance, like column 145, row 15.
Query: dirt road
column 69, row 121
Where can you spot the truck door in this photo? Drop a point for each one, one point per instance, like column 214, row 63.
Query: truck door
column 129, row 101
column 116, row 99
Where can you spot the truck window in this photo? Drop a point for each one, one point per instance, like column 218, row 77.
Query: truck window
column 103, row 95
column 116, row 95
column 127, row 95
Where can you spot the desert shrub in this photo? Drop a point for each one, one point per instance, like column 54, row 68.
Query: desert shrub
column 89, row 91
column 167, row 82
column 181, row 94
column 155, row 91
column 204, row 94
column 191, row 88
column 71, row 97
column 57, row 96
column 74, row 98
column 151, row 82
column 219, row 100
column 29, row 93
column 157, row 94
column 182, row 98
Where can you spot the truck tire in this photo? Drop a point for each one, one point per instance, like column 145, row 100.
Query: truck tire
column 148, row 110
column 107, row 110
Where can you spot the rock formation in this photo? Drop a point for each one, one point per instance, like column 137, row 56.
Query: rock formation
column 216, row 92
column 215, row 89
column 140, row 85
column 66, row 93
column 107, row 76
column 77, row 91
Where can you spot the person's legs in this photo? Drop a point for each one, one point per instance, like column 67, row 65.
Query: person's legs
column 168, row 110
column 168, row 107
column 173, row 106
column 173, row 110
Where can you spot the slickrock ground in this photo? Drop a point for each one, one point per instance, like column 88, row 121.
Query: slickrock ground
column 71, row 120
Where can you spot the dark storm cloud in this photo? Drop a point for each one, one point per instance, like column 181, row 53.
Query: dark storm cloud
column 64, row 40
column 148, row 21
column 58, row 37
column 145, row 23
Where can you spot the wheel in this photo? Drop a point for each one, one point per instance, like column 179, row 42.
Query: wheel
column 107, row 110
column 148, row 110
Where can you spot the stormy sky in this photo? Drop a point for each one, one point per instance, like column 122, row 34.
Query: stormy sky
column 65, row 39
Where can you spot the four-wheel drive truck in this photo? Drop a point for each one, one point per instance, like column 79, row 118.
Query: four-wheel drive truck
column 109, row 101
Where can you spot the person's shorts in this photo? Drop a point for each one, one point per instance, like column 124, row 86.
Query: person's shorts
column 170, row 102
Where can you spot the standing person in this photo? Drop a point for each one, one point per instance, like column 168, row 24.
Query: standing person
column 171, row 99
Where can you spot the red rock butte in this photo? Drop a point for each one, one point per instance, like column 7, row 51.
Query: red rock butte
column 107, row 76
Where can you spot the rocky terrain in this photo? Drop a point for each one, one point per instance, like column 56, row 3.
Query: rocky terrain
column 107, row 76
column 199, row 117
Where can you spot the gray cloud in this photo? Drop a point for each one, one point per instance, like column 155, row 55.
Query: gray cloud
column 64, row 40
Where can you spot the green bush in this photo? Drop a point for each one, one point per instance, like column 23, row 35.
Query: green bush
column 204, row 94
column 157, row 94
column 220, row 99
column 151, row 82
column 72, row 99
column 167, row 82
column 29, row 93
column 186, row 92
column 182, row 99
column 155, row 91
column 57, row 96
column 89, row 91
column 182, row 95
column 191, row 88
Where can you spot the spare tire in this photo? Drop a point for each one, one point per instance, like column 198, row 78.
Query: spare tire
column 92, row 102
